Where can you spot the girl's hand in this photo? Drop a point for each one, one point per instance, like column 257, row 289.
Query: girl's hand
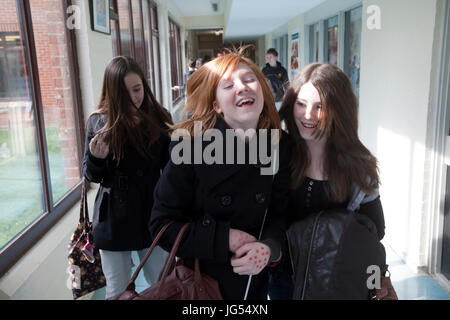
column 238, row 238
column 98, row 147
column 251, row 258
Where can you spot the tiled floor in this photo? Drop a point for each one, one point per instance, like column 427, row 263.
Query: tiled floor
column 412, row 286
column 407, row 284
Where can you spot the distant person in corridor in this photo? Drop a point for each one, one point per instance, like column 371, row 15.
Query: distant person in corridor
column 277, row 76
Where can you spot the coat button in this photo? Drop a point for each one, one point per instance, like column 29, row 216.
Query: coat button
column 206, row 222
column 259, row 197
column 139, row 173
column 225, row 200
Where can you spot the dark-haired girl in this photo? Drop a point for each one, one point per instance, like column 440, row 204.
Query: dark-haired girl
column 330, row 167
column 126, row 149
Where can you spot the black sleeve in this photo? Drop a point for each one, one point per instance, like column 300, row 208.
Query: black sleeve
column 374, row 211
column 285, row 79
column 165, row 143
column 94, row 169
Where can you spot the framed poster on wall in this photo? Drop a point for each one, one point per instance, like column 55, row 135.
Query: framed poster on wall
column 294, row 53
column 99, row 10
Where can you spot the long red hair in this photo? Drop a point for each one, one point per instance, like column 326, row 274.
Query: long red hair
column 202, row 86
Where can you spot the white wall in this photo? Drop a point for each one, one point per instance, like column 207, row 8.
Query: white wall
column 94, row 53
column 394, row 102
column 395, row 92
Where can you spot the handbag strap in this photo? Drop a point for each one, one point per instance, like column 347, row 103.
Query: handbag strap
column 173, row 252
column 84, row 212
column 131, row 285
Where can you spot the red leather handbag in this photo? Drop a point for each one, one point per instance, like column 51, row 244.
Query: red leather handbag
column 182, row 283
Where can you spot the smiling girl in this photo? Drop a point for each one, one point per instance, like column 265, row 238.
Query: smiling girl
column 226, row 203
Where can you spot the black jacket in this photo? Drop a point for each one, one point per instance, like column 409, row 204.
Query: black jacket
column 218, row 197
column 123, row 203
column 331, row 252
column 278, row 79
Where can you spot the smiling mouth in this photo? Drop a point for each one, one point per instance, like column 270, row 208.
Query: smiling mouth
column 245, row 102
column 309, row 125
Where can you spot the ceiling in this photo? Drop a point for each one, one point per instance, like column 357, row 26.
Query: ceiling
column 198, row 8
column 249, row 19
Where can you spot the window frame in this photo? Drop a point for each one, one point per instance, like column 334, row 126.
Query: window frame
column 343, row 35
column 177, row 72
column 53, row 212
column 153, row 40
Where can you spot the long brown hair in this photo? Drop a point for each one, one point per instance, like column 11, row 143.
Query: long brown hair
column 116, row 104
column 347, row 160
column 202, row 86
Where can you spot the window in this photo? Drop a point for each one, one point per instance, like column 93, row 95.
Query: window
column 331, row 40
column 139, row 48
column 151, row 36
column 40, row 119
column 138, row 37
column 115, row 30
column 125, row 28
column 353, row 28
column 314, row 43
column 175, row 58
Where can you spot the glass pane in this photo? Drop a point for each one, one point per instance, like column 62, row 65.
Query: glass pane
column 138, row 41
column 21, row 194
column 173, row 58
column 333, row 40
column 56, row 94
column 156, row 56
column 354, row 50
column 314, row 43
column 113, row 25
column 147, row 44
column 124, row 23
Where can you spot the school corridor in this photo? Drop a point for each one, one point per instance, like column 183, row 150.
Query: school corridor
column 53, row 54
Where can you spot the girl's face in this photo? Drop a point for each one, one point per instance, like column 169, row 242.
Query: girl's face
column 135, row 88
column 307, row 111
column 239, row 98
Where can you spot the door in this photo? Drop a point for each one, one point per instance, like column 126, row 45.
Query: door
column 445, row 266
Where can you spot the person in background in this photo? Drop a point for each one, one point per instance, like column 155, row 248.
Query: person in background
column 198, row 63
column 191, row 69
column 226, row 202
column 125, row 150
column 277, row 76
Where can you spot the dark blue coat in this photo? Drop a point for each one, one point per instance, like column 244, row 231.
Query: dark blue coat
column 124, row 200
column 215, row 198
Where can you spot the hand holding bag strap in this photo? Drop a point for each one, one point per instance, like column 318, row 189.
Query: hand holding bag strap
column 131, row 285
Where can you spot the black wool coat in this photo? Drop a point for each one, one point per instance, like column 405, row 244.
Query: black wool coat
column 125, row 198
column 215, row 198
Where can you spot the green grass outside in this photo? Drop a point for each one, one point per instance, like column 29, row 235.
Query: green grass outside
column 21, row 195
